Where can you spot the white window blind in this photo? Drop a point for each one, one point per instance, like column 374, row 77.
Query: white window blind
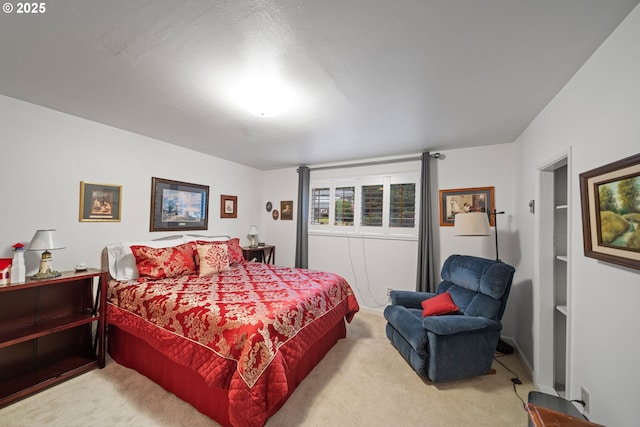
column 383, row 206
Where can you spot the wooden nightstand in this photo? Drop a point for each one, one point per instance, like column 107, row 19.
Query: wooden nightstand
column 266, row 253
column 50, row 331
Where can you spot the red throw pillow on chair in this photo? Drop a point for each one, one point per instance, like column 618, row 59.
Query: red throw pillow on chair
column 440, row 304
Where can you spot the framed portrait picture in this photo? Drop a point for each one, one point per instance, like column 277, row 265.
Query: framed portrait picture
column 100, row 202
column 228, row 206
column 610, row 197
column 178, row 205
column 286, row 210
column 465, row 200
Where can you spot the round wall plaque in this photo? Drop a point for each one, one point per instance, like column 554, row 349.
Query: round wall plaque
column 269, row 206
column 275, row 214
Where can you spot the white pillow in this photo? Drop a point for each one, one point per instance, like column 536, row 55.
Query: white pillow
column 122, row 263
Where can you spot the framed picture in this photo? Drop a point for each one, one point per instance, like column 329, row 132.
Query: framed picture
column 228, row 206
column 464, row 200
column 178, row 205
column 286, row 210
column 100, row 202
column 611, row 212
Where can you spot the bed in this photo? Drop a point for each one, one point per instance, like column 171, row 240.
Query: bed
column 231, row 337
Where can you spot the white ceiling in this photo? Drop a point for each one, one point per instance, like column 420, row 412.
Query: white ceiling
column 371, row 78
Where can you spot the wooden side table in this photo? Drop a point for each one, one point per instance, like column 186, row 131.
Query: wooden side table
column 545, row 417
column 266, row 253
column 50, row 331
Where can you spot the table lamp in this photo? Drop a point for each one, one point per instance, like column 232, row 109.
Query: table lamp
column 46, row 240
column 253, row 233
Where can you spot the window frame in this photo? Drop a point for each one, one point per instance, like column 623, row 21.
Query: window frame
column 384, row 231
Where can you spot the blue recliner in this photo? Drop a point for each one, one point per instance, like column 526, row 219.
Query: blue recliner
column 458, row 345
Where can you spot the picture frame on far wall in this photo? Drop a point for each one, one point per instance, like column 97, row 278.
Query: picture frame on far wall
column 286, row 210
column 464, row 200
column 177, row 205
column 100, row 202
column 228, row 206
column 610, row 199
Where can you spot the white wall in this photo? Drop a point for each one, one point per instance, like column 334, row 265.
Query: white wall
column 45, row 154
column 280, row 185
column 596, row 114
column 489, row 166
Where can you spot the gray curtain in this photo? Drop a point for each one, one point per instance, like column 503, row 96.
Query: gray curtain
column 425, row 276
column 302, row 228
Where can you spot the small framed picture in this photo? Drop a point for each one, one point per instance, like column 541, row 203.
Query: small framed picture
column 286, row 210
column 611, row 212
column 177, row 205
column 100, row 202
column 465, row 200
column 228, row 206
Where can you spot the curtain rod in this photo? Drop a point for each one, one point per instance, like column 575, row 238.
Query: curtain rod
column 375, row 162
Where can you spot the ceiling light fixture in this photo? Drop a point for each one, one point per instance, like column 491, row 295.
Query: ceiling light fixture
column 266, row 98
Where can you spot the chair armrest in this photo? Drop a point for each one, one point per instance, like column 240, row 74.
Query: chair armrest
column 453, row 324
column 410, row 299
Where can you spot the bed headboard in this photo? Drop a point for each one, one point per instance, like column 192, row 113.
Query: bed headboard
column 104, row 258
column 221, row 236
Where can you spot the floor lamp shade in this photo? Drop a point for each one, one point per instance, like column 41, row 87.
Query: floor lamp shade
column 471, row 224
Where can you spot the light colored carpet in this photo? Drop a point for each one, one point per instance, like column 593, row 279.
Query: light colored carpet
column 362, row 381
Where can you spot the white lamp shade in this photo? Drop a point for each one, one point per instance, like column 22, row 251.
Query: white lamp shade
column 45, row 240
column 471, row 224
column 253, row 231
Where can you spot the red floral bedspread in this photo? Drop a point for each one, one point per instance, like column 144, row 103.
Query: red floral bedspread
column 244, row 316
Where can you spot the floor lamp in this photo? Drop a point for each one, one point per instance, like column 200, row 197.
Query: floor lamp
column 477, row 224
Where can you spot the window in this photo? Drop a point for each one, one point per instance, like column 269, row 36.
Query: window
column 403, row 205
column 368, row 205
column 372, row 205
column 344, row 201
column 319, row 212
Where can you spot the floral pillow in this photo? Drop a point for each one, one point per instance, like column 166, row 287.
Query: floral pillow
column 214, row 258
column 234, row 250
column 160, row 263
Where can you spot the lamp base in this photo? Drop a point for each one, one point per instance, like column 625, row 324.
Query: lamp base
column 46, row 271
column 46, row 275
column 504, row 348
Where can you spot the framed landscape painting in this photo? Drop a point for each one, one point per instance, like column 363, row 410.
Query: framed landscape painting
column 611, row 212
column 178, row 205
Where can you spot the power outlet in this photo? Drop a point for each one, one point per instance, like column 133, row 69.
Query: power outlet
column 584, row 396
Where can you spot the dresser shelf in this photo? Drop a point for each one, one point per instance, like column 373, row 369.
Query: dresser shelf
column 50, row 330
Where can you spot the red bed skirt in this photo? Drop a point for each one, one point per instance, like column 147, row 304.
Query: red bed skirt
column 133, row 352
